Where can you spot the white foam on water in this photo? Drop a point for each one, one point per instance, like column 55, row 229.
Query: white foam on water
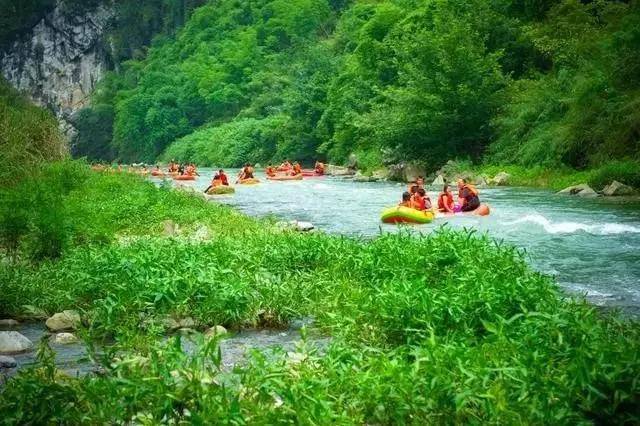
column 573, row 227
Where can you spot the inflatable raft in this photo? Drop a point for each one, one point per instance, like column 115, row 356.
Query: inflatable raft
column 401, row 214
column 311, row 173
column 250, row 181
column 185, row 177
column 220, row 190
column 295, row 177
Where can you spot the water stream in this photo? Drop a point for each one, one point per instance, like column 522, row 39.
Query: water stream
column 591, row 246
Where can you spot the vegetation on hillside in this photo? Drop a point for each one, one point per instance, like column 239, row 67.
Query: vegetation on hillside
column 421, row 330
column 548, row 82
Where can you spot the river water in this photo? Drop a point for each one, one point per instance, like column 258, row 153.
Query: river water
column 591, row 246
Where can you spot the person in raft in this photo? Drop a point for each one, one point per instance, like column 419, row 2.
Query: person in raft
column 270, row 170
column 219, row 179
column 445, row 200
column 297, row 169
column 285, row 166
column 319, row 168
column 246, row 172
column 406, row 200
column 421, row 200
column 468, row 196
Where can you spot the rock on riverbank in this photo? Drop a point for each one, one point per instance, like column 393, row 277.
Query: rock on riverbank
column 12, row 342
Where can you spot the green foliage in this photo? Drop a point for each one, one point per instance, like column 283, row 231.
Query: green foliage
column 627, row 172
column 29, row 135
column 94, row 126
column 422, row 330
column 584, row 112
column 230, row 144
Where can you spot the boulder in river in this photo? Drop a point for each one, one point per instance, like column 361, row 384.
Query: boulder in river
column 582, row 190
column 8, row 323
column 7, row 362
column 65, row 339
column 333, row 170
column 380, row 174
column 616, row 188
column 12, row 342
column 438, row 181
column 501, row 179
column 65, row 320
column 359, row 177
column 216, row 330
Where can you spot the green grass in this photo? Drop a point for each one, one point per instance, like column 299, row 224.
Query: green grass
column 627, row 172
column 446, row 328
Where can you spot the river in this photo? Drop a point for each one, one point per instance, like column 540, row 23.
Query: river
column 591, row 246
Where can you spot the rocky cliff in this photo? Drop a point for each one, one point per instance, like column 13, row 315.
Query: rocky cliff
column 59, row 62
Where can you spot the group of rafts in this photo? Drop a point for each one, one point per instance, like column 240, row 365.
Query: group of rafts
column 415, row 206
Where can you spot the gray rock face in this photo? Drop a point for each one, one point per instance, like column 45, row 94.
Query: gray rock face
column 60, row 61
column 65, row 320
column 582, row 190
column 618, row 189
column 12, row 342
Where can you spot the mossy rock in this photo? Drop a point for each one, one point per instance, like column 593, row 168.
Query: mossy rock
column 221, row 190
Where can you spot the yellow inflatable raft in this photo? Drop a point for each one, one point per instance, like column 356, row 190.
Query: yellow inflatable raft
column 401, row 214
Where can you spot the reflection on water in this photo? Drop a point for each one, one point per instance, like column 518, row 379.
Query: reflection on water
column 590, row 245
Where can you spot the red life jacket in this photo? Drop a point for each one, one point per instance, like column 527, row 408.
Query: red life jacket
column 442, row 203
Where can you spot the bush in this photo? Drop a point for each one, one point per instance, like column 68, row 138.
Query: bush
column 627, row 172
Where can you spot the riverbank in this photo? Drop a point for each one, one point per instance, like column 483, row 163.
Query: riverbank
column 446, row 327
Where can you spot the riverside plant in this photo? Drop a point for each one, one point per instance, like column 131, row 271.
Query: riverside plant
column 450, row 327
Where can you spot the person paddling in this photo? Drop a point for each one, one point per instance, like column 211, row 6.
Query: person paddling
column 219, row 179
column 468, row 196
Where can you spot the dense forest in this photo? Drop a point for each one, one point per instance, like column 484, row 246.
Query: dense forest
column 528, row 82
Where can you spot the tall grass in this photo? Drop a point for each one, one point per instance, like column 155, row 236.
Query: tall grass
column 445, row 328
column 29, row 135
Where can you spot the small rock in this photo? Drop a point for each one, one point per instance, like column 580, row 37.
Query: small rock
column 582, row 190
column 501, row 179
column 186, row 331
column 65, row 320
column 172, row 324
column 170, row 228
column 12, row 342
column 296, row 357
column 32, row 313
column 296, row 226
column 359, row 177
column 482, row 181
column 7, row 362
column 381, row 174
column 216, row 330
column 438, row 181
column 65, row 339
column 618, row 189
column 202, row 233
column 8, row 323
column 333, row 170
